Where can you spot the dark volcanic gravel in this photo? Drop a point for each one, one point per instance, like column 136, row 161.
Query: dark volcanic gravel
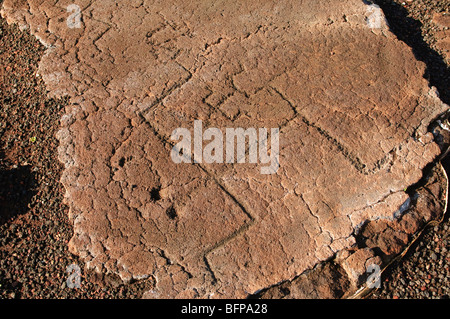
column 34, row 228
column 424, row 272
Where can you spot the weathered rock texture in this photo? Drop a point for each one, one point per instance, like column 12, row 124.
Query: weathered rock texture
column 349, row 98
column 380, row 242
column 442, row 21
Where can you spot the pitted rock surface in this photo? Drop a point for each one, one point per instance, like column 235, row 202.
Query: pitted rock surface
column 349, row 99
column 442, row 22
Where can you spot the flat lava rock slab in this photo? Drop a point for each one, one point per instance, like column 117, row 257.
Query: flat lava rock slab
column 349, row 100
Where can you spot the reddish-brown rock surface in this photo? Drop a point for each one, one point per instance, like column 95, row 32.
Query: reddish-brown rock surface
column 349, row 99
column 442, row 21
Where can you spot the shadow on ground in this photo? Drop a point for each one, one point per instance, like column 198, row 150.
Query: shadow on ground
column 17, row 187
